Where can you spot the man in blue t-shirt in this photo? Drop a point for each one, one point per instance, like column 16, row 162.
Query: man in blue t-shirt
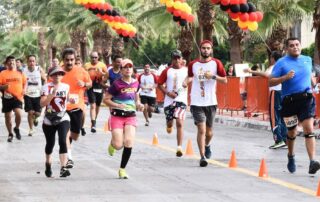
column 293, row 71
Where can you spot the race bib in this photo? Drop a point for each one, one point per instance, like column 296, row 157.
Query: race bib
column 73, row 98
column 291, row 121
column 97, row 90
column 33, row 92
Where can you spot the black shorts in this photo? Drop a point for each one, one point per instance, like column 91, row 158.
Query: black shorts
column 10, row 104
column 95, row 96
column 31, row 103
column 301, row 106
column 204, row 114
column 151, row 101
column 75, row 120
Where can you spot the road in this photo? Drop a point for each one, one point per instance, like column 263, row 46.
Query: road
column 156, row 174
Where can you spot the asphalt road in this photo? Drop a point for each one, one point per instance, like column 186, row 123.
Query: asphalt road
column 156, row 174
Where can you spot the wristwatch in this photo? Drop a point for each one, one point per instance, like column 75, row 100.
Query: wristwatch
column 214, row 77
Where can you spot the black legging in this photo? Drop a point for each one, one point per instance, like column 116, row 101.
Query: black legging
column 50, row 132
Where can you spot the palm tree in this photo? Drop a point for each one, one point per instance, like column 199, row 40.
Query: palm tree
column 316, row 26
column 206, row 17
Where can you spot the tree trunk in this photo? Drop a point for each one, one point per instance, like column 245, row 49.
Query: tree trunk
column 185, row 41
column 50, row 57
column 316, row 26
column 235, row 38
column 206, row 18
column 117, row 46
column 41, row 42
column 103, row 43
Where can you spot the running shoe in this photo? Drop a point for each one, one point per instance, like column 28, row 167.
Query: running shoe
column 179, row 152
column 48, row 170
column 123, row 174
column 10, row 137
column 147, row 123
column 169, row 130
column 314, row 167
column 64, row 172
column 111, row 150
column 93, row 129
column 83, row 132
column 17, row 132
column 291, row 164
column 207, row 152
column 203, row 162
column 70, row 163
column 31, row 131
column 35, row 122
column 278, row 145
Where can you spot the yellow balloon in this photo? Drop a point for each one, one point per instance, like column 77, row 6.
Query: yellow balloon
column 242, row 24
column 162, row 1
column 235, row 19
column 78, row 1
column 169, row 4
column 253, row 26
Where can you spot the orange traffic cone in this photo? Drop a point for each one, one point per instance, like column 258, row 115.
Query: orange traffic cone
column 155, row 140
column 189, row 149
column 107, row 126
column 263, row 169
column 318, row 191
column 233, row 160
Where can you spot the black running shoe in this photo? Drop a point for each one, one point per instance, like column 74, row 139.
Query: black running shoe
column 69, row 164
column 93, row 129
column 207, row 152
column 17, row 132
column 10, row 137
column 64, row 172
column 314, row 167
column 203, row 162
column 83, row 132
column 48, row 170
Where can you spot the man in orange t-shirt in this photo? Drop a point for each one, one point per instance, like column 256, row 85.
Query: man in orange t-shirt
column 12, row 84
column 79, row 80
column 95, row 94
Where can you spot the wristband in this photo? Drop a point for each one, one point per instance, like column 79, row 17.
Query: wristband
column 214, row 77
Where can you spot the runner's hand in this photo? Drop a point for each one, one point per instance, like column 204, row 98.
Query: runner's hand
column 81, row 83
column 121, row 106
column 173, row 95
column 290, row 74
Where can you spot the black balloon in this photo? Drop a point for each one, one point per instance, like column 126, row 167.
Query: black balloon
column 95, row 11
column 115, row 13
column 102, row 12
column 252, row 7
column 109, row 12
column 183, row 22
column 235, row 8
column 126, row 39
column 244, row 8
column 176, row 18
column 224, row 8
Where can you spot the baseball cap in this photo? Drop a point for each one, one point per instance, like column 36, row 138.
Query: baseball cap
column 176, row 53
column 55, row 70
column 126, row 62
column 206, row 42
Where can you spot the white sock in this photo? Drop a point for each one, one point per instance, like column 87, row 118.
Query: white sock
column 179, row 147
column 69, row 154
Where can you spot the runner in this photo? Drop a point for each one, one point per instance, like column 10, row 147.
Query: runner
column 176, row 96
column 19, row 65
column 95, row 94
column 293, row 71
column 12, row 84
column 204, row 73
column 123, row 99
column 54, row 97
column 79, row 80
column 113, row 72
column 34, row 75
column 148, row 85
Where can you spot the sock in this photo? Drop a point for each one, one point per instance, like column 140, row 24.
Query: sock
column 179, row 147
column 125, row 156
column 69, row 154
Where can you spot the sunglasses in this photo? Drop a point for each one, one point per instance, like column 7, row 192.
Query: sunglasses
column 94, row 57
column 58, row 74
column 127, row 67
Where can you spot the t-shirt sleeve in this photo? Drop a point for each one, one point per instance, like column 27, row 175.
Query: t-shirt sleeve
column 276, row 71
column 86, row 77
column 220, row 69
column 139, row 78
column 1, row 76
column 190, row 72
column 155, row 78
column 113, row 89
column 163, row 77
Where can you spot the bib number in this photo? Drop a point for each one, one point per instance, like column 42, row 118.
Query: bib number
column 73, row 98
column 97, row 90
column 291, row 121
column 7, row 95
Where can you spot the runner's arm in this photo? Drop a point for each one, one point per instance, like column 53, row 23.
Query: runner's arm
column 273, row 81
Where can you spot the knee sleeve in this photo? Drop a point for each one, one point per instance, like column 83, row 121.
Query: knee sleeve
column 309, row 135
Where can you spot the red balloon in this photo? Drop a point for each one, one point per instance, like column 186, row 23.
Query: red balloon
column 184, row 15
column 234, row 15
column 132, row 34
column 117, row 18
column 259, row 16
column 242, row 1
column 100, row 6
column 93, row 6
column 177, row 13
column 244, row 17
column 87, row 6
column 190, row 18
column 225, row 2
column 125, row 33
column 170, row 9
column 253, row 16
column 234, row 1
column 119, row 31
column 111, row 18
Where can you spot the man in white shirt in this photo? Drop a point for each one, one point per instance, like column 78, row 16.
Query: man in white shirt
column 148, row 84
column 176, row 96
column 204, row 73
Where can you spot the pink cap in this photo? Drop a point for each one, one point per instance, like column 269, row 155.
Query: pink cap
column 126, row 62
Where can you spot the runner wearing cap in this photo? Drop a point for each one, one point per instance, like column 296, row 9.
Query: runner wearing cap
column 204, row 73
column 123, row 99
column 176, row 96
column 54, row 97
